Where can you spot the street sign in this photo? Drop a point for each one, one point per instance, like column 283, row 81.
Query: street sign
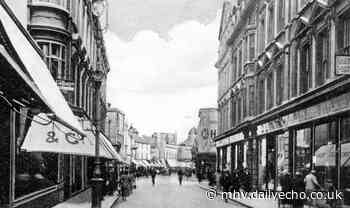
column 342, row 64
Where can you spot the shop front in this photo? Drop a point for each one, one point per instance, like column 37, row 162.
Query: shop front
column 313, row 138
column 40, row 136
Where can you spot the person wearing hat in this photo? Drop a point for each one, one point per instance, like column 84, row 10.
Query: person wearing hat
column 225, row 182
column 311, row 184
column 298, row 186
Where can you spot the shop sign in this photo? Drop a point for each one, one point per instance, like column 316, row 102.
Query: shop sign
column 325, row 108
column 342, row 64
column 236, row 138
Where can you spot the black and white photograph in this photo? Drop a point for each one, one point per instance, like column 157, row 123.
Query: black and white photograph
column 174, row 103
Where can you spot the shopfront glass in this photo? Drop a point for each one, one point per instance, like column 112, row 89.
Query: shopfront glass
column 4, row 153
column 34, row 171
column 325, row 155
column 228, row 154
column 283, row 153
column 303, row 151
column 261, row 163
column 345, row 159
column 270, row 173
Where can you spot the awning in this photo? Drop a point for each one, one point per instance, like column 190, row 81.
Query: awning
column 147, row 164
column 55, row 137
column 173, row 163
column 37, row 70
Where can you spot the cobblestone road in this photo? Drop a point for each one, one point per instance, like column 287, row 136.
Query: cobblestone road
column 168, row 194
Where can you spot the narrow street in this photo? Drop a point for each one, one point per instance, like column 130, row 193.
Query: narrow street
column 168, row 194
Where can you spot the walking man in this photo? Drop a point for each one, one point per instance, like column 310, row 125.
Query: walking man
column 180, row 174
column 153, row 175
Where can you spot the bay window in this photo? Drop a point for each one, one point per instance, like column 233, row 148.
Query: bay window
column 55, row 57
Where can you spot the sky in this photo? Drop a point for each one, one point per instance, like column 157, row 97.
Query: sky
column 162, row 55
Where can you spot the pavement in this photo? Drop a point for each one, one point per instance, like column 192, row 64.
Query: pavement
column 83, row 200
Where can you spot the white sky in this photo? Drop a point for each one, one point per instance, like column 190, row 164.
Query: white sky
column 160, row 83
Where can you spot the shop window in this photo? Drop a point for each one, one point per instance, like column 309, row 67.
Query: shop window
column 303, row 151
column 34, row 170
column 323, row 57
column 4, row 153
column 233, row 157
column 324, row 156
column 240, row 156
column 305, row 68
column 55, row 56
column 224, row 157
column 270, row 172
column 345, row 160
column 283, row 162
column 261, row 163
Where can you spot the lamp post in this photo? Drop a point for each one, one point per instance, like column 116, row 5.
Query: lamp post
column 98, row 7
column 97, row 180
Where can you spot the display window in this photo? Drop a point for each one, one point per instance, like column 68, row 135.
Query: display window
column 34, row 171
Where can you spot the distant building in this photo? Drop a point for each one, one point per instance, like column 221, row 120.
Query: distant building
column 170, row 152
column 161, row 139
column 204, row 150
column 143, row 148
column 115, row 127
column 207, row 130
column 185, row 148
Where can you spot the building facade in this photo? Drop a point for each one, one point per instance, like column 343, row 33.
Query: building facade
column 115, row 128
column 204, row 151
column 170, row 152
column 143, row 151
column 69, row 38
column 162, row 139
column 283, row 96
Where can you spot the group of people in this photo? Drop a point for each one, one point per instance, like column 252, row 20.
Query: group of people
column 307, row 184
column 154, row 173
column 237, row 180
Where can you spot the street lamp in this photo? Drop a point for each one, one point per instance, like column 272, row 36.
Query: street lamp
column 97, row 180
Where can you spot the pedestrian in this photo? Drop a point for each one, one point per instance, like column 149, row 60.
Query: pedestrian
column 225, row 183
column 123, row 187
column 234, row 181
column 180, row 175
column 286, row 186
column 153, row 175
column 298, row 186
column 311, row 185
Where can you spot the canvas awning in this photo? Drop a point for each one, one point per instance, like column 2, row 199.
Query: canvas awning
column 173, row 163
column 55, row 137
column 37, row 70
